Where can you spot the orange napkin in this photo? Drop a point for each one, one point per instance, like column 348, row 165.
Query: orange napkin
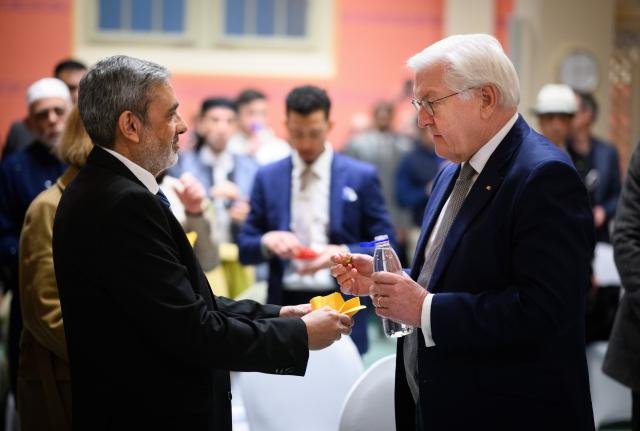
column 335, row 301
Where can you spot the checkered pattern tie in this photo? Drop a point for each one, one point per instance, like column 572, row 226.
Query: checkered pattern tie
column 458, row 195
column 163, row 198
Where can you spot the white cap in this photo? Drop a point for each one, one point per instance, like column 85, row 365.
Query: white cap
column 47, row 87
column 556, row 99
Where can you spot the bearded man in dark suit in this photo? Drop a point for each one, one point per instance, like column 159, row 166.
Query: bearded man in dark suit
column 150, row 347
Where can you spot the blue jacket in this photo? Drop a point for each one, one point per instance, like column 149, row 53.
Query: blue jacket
column 23, row 175
column 507, row 317
column 357, row 212
column 242, row 175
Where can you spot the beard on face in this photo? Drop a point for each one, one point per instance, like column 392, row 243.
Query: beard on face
column 155, row 156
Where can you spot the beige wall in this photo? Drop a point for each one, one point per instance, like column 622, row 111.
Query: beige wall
column 544, row 31
column 465, row 16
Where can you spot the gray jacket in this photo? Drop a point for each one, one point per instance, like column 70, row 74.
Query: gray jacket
column 622, row 361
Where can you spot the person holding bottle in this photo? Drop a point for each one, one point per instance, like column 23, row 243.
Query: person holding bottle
column 498, row 283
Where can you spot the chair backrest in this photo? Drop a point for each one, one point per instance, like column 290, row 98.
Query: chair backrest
column 369, row 405
column 312, row 402
column 611, row 401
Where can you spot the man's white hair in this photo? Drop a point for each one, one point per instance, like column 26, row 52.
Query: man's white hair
column 472, row 60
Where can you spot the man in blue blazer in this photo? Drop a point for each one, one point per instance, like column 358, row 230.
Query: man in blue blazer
column 498, row 282
column 314, row 202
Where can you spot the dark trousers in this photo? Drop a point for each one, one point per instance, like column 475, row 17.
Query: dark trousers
column 635, row 411
column 359, row 331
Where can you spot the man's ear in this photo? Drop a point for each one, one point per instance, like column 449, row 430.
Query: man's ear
column 489, row 96
column 130, row 126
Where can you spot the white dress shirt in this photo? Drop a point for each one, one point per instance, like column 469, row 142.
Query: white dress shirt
column 141, row 173
column 222, row 165
column 478, row 161
column 310, row 217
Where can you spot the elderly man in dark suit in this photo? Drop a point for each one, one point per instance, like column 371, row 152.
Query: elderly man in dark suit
column 498, row 282
column 149, row 346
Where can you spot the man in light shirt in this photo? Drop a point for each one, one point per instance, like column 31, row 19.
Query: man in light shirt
column 315, row 199
column 497, row 288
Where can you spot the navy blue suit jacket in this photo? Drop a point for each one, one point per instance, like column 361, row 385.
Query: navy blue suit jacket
column 507, row 316
column 356, row 211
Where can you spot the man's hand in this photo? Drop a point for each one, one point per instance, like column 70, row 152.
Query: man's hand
column 282, row 243
column 191, row 193
column 324, row 326
column 323, row 260
column 398, row 297
column 239, row 211
column 599, row 216
column 295, row 310
column 353, row 272
column 226, row 190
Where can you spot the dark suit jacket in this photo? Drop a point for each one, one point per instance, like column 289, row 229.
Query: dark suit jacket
column 356, row 213
column 507, row 316
column 149, row 345
column 622, row 361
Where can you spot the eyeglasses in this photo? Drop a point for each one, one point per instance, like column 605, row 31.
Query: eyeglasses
column 429, row 104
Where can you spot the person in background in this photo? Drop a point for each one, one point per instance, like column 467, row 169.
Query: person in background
column 23, row 175
column 44, row 389
column 150, row 347
column 384, row 148
column 597, row 163
column 254, row 138
column 496, row 292
column 192, row 208
column 622, row 360
column 226, row 177
column 314, row 199
column 414, row 179
column 555, row 108
column 20, row 132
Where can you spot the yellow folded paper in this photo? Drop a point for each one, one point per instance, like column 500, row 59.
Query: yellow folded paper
column 192, row 237
column 338, row 303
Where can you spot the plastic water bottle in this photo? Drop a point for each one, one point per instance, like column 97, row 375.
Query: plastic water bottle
column 386, row 259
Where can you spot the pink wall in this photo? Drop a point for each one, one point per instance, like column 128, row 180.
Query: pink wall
column 373, row 42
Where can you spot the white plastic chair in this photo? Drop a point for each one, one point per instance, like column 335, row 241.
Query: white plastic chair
column 310, row 403
column 611, row 401
column 369, row 405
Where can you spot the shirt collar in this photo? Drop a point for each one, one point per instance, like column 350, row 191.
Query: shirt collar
column 208, row 157
column 141, row 173
column 319, row 166
column 481, row 157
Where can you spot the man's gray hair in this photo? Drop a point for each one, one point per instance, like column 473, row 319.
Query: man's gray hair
column 112, row 86
column 472, row 60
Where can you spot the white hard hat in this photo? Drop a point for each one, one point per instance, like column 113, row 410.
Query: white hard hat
column 47, row 87
column 556, row 99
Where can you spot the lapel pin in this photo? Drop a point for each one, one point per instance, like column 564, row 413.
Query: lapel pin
column 488, row 188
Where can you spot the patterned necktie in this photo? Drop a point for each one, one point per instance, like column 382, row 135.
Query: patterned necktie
column 163, row 198
column 458, row 195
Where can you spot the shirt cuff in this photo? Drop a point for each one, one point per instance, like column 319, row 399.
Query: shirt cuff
column 426, row 321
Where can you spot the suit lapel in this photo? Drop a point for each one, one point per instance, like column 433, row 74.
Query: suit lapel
column 338, row 182
column 434, row 206
column 480, row 194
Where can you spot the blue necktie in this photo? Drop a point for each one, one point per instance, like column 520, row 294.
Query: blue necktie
column 163, row 198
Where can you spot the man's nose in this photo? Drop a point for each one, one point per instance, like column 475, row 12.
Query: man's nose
column 182, row 126
column 425, row 118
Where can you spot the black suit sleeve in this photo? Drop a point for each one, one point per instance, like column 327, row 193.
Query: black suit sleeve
column 154, row 289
